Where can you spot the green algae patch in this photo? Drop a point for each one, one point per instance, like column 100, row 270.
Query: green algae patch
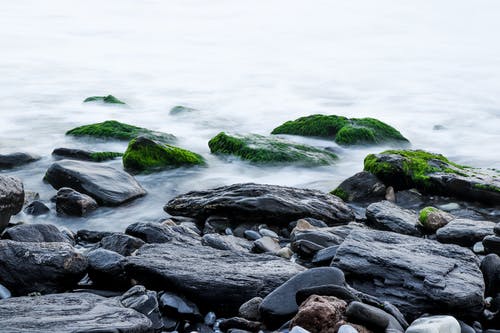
column 104, row 156
column 424, row 214
column 112, row 129
column 268, row 150
column 110, row 99
column 344, row 131
column 487, row 187
column 146, row 155
column 180, row 109
column 340, row 193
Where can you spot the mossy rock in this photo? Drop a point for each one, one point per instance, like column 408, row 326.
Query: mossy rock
column 344, row 131
column 433, row 174
column 179, row 109
column 268, row 150
column 146, row 155
column 110, row 99
column 112, row 129
column 85, row 155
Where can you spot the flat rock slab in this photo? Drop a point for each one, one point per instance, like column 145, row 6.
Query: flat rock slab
column 71, row 313
column 107, row 185
column 465, row 232
column 257, row 203
column 385, row 215
column 416, row 275
column 216, row 279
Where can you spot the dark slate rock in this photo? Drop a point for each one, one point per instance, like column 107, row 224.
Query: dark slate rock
column 216, row 279
column 36, row 233
column 121, row 243
column 74, row 203
column 308, row 242
column 492, row 244
column 464, row 328
column 36, row 208
column 40, row 267
column 11, row 199
column 106, row 269
column 16, row 159
column 151, row 232
column 107, row 185
column 372, row 318
column 260, row 203
column 145, row 302
column 72, row 153
column 465, row 232
column 179, row 307
column 423, row 275
column 409, row 198
column 363, row 186
column 340, row 292
column 70, row 313
column 239, row 323
column 280, row 306
column 226, row 242
column 252, row 235
column 250, row 309
column 490, row 266
column 91, row 236
column 325, row 256
column 386, row 215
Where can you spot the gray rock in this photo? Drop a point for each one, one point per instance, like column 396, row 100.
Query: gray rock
column 465, row 232
column 435, row 324
column 268, row 233
column 36, row 208
column 70, row 313
column 422, row 274
column 84, row 155
column 179, row 307
column 11, row 199
column 490, row 266
column 258, row 203
column 449, row 206
column 16, row 159
column 496, row 230
column 40, row 267
column 325, row 256
column 250, row 309
column 492, row 244
column 386, row 215
column 121, row 243
column 252, row 235
column 239, row 323
column 341, row 292
column 151, row 232
column 363, row 186
column 372, row 318
column 107, row 185
column 266, row 244
column 74, row 203
column 36, row 233
column 91, row 236
column 106, row 269
column 226, row 242
column 145, row 302
column 213, row 278
column 347, row 329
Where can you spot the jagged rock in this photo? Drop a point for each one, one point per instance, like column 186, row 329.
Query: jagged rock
column 386, row 215
column 37, row 233
column 145, row 302
column 40, row 267
column 423, row 275
column 11, row 199
column 36, row 208
column 70, row 313
column 363, row 186
column 465, row 232
column 257, row 203
column 16, row 159
column 319, row 314
column 178, row 307
column 74, row 203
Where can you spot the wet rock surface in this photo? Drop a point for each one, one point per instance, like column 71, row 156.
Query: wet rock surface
column 386, row 215
column 36, row 233
column 11, row 198
column 465, row 232
column 74, row 203
column 16, row 159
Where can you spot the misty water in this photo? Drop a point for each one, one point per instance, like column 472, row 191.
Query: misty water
column 247, row 66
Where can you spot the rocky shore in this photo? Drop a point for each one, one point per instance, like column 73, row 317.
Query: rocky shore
column 410, row 244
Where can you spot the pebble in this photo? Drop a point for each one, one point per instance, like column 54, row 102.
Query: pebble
column 347, row 329
column 252, row 235
column 269, row 233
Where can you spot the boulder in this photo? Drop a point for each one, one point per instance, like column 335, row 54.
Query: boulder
column 435, row 324
column 431, row 218
column 343, row 130
column 11, row 199
column 386, row 215
column 74, row 203
column 434, row 174
column 36, row 208
column 465, row 232
column 319, row 314
column 16, row 159
column 257, row 203
column 85, row 155
column 151, row 232
column 70, row 313
column 121, row 243
column 216, row 279
column 37, row 233
column 40, row 267
column 146, row 155
column 107, row 185
column 416, row 275
column 363, row 186
column 268, row 150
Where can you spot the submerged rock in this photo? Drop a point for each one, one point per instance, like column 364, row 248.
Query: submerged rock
column 74, row 203
column 258, row 203
column 363, row 186
column 386, row 215
column 85, row 155
column 36, row 208
column 27, row 267
column 144, row 154
column 37, row 233
column 180, row 109
column 11, row 199
column 110, row 99
column 107, row 185
column 70, row 313
column 343, row 130
column 416, row 275
column 268, row 150
column 112, row 129
column 433, row 174
column 16, row 159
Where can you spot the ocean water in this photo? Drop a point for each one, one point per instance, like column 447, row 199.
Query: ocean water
column 247, row 66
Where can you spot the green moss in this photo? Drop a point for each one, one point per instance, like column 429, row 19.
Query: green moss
column 340, row 193
column 112, row 129
column 378, row 168
column 179, row 109
column 145, row 155
column 487, row 187
column 106, row 99
column 424, row 213
column 261, row 149
column 344, row 131
column 104, row 156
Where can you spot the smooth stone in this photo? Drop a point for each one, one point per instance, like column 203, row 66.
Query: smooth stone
column 386, row 215
column 211, row 278
column 410, row 199
column 74, row 203
column 250, row 309
column 106, row 269
column 210, row 319
column 280, row 305
column 465, row 232
column 4, row 292
column 107, row 185
column 70, row 313
column 422, row 274
column 347, row 329
column 13, row 160
column 490, row 266
column 266, row 244
column 492, row 244
column 259, row 203
column 37, row 233
column 151, row 232
column 478, row 248
column 40, row 267
column 268, row 233
column 179, row 307
column 390, row 194
column 145, row 302
column 226, row 242
column 435, row 324
column 372, row 317
column 11, row 199
column 285, row 252
column 252, row 235
column 363, row 186
column 325, row 256
column 121, row 243
column 36, row 208
column 319, row 313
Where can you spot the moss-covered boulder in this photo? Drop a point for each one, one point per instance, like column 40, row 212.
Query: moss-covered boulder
column 146, row 155
column 112, row 129
column 85, row 155
column 180, row 109
column 268, row 150
column 110, row 99
column 434, row 174
column 431, row 218
column 344, row 131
